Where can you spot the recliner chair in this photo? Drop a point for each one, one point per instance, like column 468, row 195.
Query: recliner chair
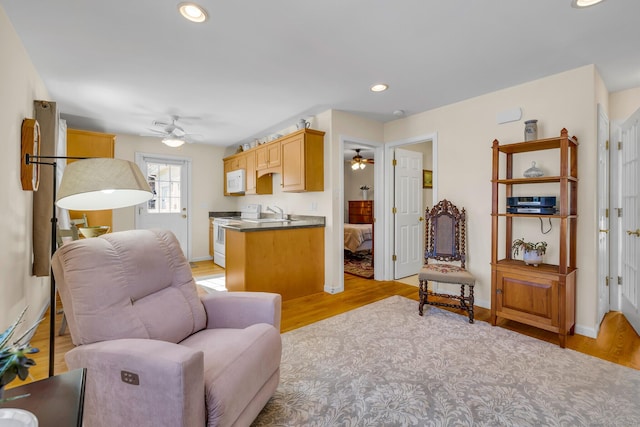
column 156, row 353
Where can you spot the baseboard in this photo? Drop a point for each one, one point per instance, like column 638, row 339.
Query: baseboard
column 206, row 258
column 586, row 331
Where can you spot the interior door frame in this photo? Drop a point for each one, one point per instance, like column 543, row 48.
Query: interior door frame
column 604, row 203
column 388, row 230
column 378, row 180
column 139, row 160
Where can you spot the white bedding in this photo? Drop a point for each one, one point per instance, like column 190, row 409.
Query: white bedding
column 358, row 237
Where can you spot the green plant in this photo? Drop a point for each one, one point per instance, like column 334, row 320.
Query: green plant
column 14, row 361
column 540, row 247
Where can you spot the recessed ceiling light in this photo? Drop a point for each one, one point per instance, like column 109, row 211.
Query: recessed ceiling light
column 193, row 12
column 380, row 87
column 584, row 3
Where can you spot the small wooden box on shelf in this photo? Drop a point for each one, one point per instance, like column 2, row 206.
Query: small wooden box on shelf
column 542, row 296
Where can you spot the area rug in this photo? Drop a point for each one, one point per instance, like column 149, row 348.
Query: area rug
column 358, row 263
column 383, row 365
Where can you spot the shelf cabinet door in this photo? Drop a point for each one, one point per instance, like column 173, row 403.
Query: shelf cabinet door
column 303, row 161
column 527, row 298
column 268, row 156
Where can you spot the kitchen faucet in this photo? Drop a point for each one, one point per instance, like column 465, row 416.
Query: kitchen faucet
column 278, row 212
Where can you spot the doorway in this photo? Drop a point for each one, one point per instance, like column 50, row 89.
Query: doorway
column 169, row 179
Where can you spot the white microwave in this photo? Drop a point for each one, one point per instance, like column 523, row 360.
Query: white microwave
column 236, row 182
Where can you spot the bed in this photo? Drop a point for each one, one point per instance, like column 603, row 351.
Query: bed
column 358, row 237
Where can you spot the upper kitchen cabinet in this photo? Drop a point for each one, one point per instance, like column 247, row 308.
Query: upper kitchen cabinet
column 253, row 184
column 268, row 158
column 232, row 163
column 82, row 143
column 256, row 184
column 303, row 161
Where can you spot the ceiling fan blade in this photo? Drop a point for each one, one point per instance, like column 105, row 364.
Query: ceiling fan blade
column 158, row 132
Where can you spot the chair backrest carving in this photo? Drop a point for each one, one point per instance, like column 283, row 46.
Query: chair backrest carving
column 445, row 233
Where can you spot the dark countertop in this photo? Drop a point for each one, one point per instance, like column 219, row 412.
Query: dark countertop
column 297, row 221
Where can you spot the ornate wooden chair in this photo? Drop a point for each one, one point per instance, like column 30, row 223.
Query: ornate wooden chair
column 445, row 240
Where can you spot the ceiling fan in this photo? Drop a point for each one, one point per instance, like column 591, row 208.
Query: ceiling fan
column 359, row 162
column 172, row 134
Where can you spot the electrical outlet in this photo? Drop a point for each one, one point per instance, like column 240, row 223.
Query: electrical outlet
column 129, row 378
column 314, row 206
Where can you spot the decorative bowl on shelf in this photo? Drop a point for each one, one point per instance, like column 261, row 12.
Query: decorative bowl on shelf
column 533, row 171
column 95, row 231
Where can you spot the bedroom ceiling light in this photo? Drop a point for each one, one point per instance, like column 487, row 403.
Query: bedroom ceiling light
column 380, row 87
column 193, row 12
column 173, row 142
column 357, row 166
column 584, row 3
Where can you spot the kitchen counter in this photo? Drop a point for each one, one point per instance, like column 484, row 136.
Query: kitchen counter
column 296, row 221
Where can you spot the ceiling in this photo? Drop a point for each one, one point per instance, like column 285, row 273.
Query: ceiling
column 256, row 67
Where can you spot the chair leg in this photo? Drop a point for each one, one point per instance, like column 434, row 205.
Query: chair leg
column 471, row 303
column 423, row 296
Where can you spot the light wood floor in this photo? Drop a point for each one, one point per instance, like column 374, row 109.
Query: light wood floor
column 617, row 341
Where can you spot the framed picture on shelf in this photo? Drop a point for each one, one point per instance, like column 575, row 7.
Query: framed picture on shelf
column 427, row 179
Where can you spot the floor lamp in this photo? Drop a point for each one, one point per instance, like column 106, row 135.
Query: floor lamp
column 89, row 184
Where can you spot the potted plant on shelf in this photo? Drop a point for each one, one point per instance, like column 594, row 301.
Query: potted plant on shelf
column 531, row 252
column 14, row 361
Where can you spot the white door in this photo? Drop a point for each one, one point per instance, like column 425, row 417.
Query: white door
column 168, row 178
column 603, row 214
column 630, row 230
column 408, row 221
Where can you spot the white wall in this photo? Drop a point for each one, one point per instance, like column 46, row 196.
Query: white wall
column 465, row 133
column 206, row 185
column 20, row 85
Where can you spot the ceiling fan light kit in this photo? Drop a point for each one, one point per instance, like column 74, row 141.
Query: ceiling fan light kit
column 359, row 162
column 173, row 142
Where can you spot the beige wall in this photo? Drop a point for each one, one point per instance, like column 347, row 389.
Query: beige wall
column 353, row 180
column 623, row 104
column 20, row 85
column 206, row 185
column 465, row 132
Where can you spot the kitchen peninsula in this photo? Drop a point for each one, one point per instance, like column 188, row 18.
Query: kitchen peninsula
column 282, row 257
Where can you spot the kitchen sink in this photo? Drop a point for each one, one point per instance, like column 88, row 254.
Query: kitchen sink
column 261, row 220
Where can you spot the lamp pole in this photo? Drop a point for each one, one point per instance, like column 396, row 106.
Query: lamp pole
column 54, row 222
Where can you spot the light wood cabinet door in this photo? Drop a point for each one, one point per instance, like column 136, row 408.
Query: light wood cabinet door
column 303, row 161
column 268, row 156
column 82, row 143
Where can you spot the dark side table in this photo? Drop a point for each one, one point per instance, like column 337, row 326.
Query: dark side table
column 57, row 401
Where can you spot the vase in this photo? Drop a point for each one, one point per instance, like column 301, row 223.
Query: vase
column 532, row 258
column 365, row 194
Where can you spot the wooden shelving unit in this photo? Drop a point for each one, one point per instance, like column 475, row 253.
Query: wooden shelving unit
column 542, row 296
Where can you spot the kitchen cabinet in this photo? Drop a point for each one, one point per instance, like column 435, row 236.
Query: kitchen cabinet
column 82, row 143
column 247, row 161
column 268, row 158
column 542, row 296
column 303, row 161
column 288, row 261
column 299, row 157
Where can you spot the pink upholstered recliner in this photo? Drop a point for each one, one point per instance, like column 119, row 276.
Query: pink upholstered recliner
column 156, row 353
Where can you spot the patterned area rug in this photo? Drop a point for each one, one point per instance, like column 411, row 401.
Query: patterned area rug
column 383, row 365
column 358, row 263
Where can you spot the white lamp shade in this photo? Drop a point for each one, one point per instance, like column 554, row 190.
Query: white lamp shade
column 95, row 184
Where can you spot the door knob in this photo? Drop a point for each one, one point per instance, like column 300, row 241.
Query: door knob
column 420, row 219
column 637, row 232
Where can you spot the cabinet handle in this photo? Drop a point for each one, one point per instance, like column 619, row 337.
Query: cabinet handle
column 498, row 291
column 637, row 232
